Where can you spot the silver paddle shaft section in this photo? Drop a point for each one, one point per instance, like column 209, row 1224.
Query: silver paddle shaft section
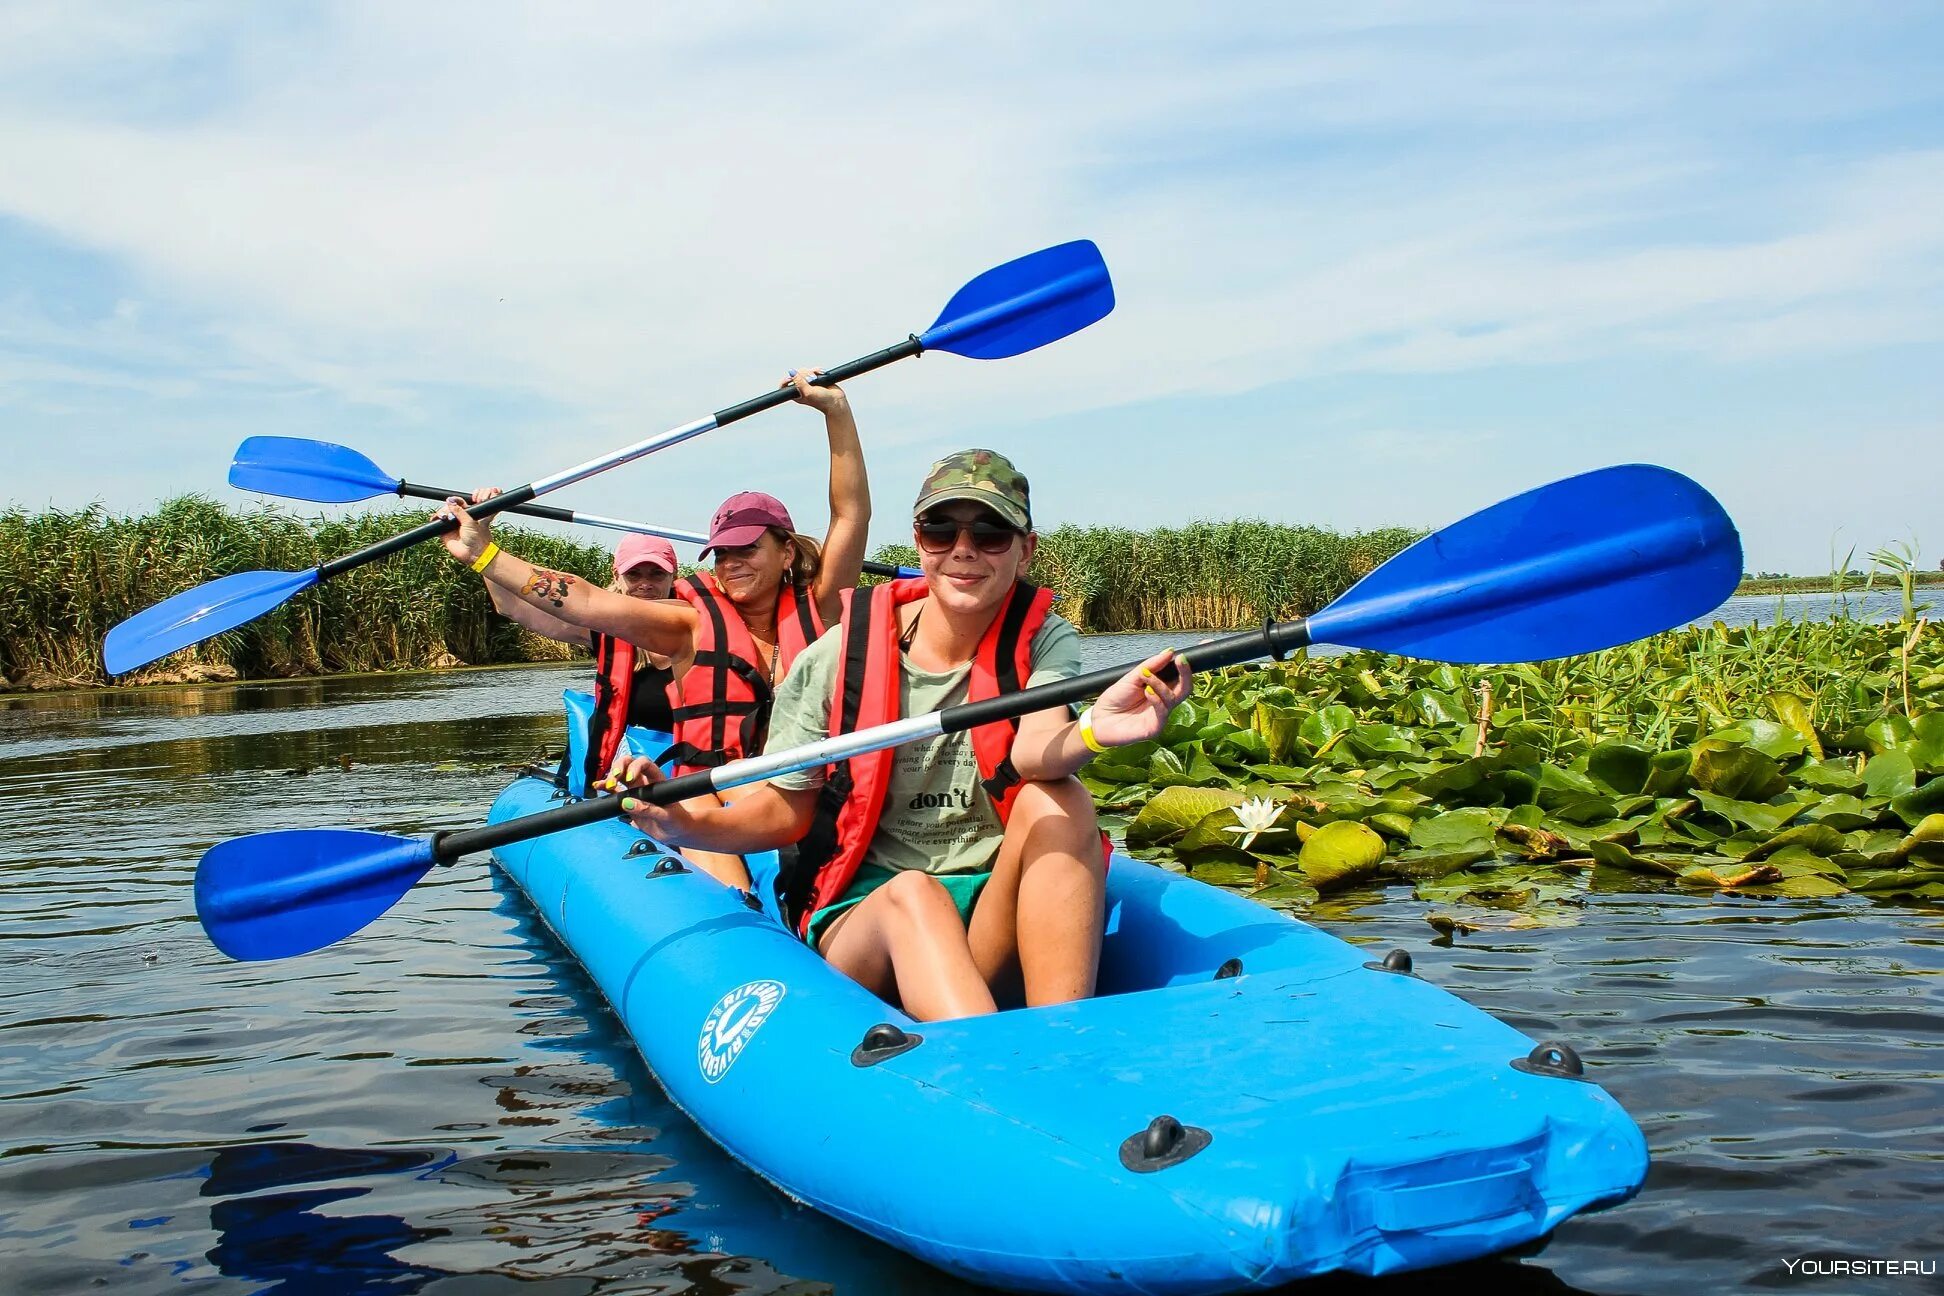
column 639, row 528
column 755, row 769
column 626, row 454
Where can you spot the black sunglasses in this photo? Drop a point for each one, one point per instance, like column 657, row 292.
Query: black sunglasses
column 989, row 534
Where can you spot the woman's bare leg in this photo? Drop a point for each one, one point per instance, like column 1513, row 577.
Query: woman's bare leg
column 906, row 938
column 730, row 870
column 1038, row 923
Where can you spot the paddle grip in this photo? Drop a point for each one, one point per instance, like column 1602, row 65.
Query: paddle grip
column 441, row 494
column 430, row 530
column 911, row 346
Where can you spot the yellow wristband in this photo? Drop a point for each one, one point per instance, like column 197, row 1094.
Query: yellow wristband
column 485, row 560
column 1087, row 733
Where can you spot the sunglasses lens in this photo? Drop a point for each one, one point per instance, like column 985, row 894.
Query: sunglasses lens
column 989, row 535
column 992, row 537
column 936, row 537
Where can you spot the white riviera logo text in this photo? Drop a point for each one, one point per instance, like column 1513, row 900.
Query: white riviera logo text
column 727, row 1030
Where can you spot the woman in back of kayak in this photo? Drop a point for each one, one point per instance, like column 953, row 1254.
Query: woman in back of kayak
column 631, row 685
column 729, row 636
column 965, row 870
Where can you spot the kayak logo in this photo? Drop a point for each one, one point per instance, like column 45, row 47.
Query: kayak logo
column 732, row 1023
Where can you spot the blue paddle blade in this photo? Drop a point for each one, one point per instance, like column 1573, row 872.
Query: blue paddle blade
column 307, row 470
column 198, row 614
column 1025, row 304
column 1583, row 564
column 270, row 895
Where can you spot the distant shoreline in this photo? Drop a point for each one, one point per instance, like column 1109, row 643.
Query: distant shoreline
column 1822, row 584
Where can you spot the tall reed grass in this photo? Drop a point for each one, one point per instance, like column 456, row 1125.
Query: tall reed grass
column 1207, row 575
column 66, row 578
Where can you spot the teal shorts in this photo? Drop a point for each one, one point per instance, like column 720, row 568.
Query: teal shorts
column 963, row 887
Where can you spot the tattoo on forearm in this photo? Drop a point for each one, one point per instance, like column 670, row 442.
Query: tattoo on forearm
column 552, row 586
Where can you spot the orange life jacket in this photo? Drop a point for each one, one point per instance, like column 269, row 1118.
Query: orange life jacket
column 628, row 690
column 866, row 693
column 721, row 707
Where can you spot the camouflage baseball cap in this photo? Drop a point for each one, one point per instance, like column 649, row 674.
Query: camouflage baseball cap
column 982, row 476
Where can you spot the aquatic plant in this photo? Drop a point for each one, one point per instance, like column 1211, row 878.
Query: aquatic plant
column 1801, row 760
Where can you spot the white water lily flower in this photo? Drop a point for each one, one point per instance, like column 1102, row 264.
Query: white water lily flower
column 1253, row 817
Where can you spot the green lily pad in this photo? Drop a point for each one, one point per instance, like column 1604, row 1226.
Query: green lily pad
column 1927, row 747
column 1750, row 814
column 1794, row 712
column 1830, row 776
column 1436, row 707
column 1420, row 864
column 1805, row 887
column 1285, row 895
column 1326, row 724
column 1174, row 810
column 1892, row 774
column 1736, row 772
column 1340, row 853
column 1817, row 839
column 1915, row 806
column 1456, row 830
column 1841, row 812
column 1621, row 766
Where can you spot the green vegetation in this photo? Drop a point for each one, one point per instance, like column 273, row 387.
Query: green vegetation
column 1800, row 760
column 66, row 578
column 1205, row 575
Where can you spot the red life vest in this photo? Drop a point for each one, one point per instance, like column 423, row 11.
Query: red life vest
column 865, row 693
column 721, row 707
column 628, row 690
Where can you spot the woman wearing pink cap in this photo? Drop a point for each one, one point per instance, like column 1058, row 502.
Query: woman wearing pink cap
column 631, row 686
column 729, row 636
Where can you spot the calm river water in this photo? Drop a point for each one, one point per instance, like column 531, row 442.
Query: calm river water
column 444, row 1104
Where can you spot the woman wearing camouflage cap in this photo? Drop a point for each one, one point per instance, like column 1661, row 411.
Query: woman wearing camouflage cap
column 968, row 869
column 729, row 637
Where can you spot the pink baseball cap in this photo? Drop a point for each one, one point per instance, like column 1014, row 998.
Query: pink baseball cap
column 744, row 518
column 639, row 549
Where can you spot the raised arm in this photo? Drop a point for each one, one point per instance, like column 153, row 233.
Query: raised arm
column 513, row 609
column 850, row 494
column 665, row 627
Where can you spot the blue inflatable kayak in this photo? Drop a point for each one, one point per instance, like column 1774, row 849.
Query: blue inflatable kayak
column 1246, row 1101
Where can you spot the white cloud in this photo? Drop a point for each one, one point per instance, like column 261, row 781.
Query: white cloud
column 634, row 213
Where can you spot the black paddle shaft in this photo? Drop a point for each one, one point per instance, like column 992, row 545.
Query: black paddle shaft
column 411, row 490
column 431, row 530
column 1273, row 640
column 911, row 346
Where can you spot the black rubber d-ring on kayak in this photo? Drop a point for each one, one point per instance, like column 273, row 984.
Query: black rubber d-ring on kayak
column 1554, row 1060
column 883, row 1041
column 1398, row 961
column 1165, row 1142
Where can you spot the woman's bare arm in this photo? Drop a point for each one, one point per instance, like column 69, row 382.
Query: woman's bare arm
column 666, row 627
column 850, row 495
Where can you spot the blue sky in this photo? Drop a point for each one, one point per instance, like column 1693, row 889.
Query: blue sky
column 1379, row 266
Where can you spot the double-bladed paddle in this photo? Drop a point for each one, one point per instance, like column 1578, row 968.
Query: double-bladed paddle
column 1006, row 311
column 1577, row 566
column 327, row 473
